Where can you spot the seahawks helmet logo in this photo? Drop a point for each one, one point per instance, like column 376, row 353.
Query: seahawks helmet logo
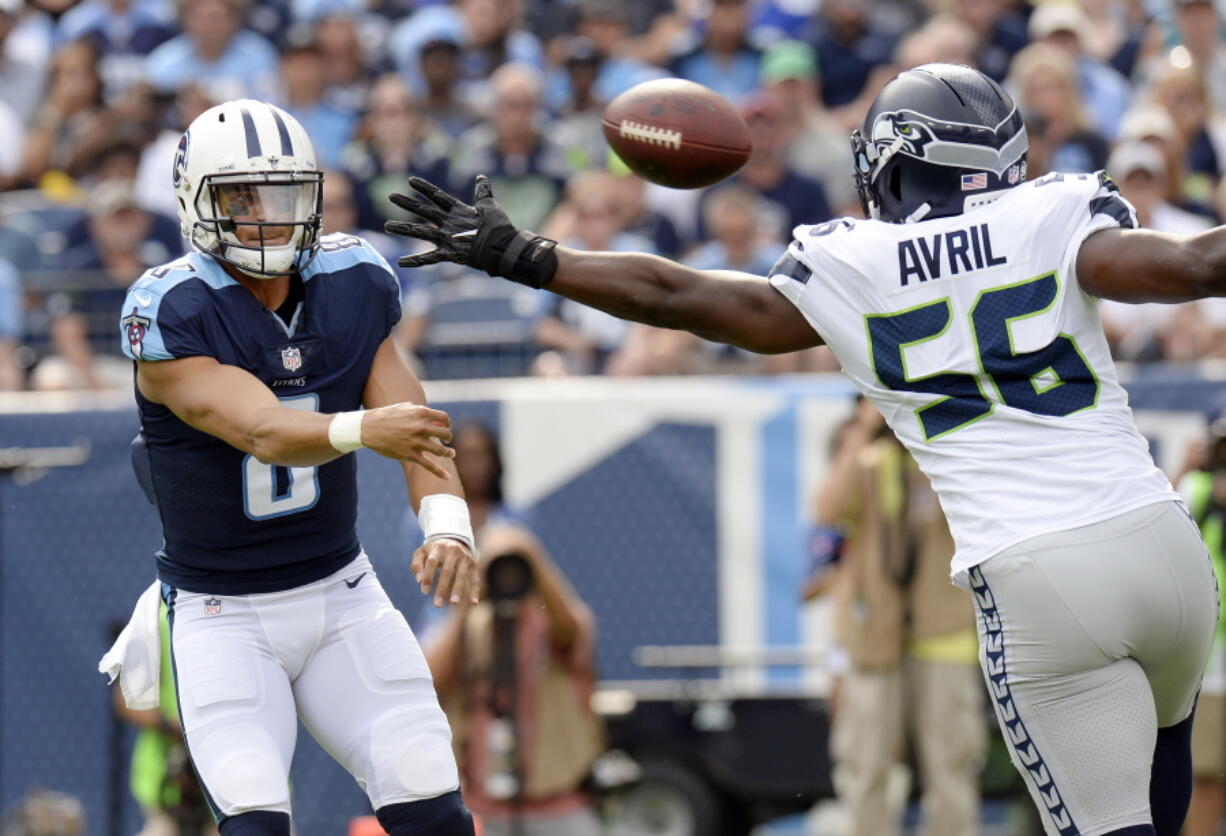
column 912, row 137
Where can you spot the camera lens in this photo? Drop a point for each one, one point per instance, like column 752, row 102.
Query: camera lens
column 508, row 577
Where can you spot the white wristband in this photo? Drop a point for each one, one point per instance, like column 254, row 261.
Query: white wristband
column 345, row 431
column 445, row 515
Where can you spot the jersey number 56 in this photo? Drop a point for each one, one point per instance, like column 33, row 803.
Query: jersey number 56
column 1055, row 380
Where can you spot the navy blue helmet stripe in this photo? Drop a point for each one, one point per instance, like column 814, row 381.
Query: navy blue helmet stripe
column 287, row 147
column 253, row 139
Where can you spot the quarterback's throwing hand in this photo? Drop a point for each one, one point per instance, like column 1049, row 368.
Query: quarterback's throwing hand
column 410, row 432
column 458, row 573
column 480, row 235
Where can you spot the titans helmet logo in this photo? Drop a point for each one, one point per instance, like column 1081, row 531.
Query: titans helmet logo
column 180, row 169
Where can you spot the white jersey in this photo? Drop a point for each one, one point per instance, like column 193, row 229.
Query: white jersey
column 973, row 338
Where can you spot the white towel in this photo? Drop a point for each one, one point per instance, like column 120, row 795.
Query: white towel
column 136, row 656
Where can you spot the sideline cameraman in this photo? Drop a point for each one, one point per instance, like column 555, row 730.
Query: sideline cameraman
column 515, row 676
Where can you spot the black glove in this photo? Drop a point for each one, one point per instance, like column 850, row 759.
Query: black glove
column 480, row 236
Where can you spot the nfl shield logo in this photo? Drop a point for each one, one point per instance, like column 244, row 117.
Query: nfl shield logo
column 212, row 606
column 291, row 358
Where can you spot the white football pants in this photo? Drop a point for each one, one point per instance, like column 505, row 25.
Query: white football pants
column 334, row 653
column 1091, row 640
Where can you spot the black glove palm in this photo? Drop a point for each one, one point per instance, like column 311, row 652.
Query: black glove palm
column 480, row 236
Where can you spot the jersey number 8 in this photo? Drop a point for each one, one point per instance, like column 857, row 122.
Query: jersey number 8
column 1055, row 380
column 271, row 490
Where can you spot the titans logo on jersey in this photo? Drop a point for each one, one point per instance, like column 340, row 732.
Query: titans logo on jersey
column 231, row 523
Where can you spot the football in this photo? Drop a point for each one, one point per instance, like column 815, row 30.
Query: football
column 676, row 133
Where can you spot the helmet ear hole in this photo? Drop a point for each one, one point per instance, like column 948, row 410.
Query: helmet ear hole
column 895, row 184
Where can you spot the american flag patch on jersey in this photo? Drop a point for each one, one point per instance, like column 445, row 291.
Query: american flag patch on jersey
column 971, row 182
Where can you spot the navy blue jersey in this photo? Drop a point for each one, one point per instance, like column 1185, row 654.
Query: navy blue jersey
column 231, row 523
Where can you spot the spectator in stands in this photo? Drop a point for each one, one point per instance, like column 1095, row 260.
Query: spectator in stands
column 440, row 72
column 216, row 53
column 1104, row 91
column 1181, row 91
column 1151, row 124
column 71, row 113
column 525, row 163
column 1203, row 486
column 21, row 78
column 607, row 24
column 347, row 72
column 589, row 220
column 577, row 125
column 637, row 217
column 11, row 326
column 816, row 145
column 487, row 32
column 159, row 155
column 302, row 95
column 724, row 60
column 1200, row 30
column 515, row 676
column 1140, row 170
column 1000, row 33
column 122, row 33
column 395, row 142
column 1114, row 31
column 118, row 242
column 1155, row 332
column 478, row 463
column 848, row 48
column 1048, row 93
column 909, row 636
column 790, row 198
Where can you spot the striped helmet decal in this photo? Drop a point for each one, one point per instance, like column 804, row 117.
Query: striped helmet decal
column 287, row 146
column 253, row 138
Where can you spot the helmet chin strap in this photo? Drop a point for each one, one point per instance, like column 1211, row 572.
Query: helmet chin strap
column 919, row 214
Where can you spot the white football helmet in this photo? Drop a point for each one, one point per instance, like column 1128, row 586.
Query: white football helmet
column 248, row 189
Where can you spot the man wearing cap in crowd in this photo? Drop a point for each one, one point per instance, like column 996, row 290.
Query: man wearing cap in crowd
column 816, row 147
column 1105, row 92
column 1139, row 331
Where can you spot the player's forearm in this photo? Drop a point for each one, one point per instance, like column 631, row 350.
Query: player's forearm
column 290, row 437
column 1208, row 262
column 635, row 286
column 423, row 483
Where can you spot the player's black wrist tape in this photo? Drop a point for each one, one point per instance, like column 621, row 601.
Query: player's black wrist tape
column 516, row 254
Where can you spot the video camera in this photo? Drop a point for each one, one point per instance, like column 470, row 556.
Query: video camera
column 508, row 577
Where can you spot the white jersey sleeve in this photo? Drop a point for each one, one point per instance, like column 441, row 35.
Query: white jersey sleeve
column 972, row 336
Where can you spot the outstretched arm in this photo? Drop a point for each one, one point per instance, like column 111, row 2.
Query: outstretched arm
column 1140, row 265
column 720, row 305
column 235, row 406
column 735, row 308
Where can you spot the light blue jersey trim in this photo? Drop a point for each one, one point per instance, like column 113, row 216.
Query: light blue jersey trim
column 339, row 251
column 144, row 299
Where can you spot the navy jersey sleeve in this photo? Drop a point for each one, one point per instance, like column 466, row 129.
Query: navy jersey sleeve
column 343, row 251
column 163, row 322
column 387, row 287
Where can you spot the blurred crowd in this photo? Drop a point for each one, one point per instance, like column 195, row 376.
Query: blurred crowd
column 94, row 95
